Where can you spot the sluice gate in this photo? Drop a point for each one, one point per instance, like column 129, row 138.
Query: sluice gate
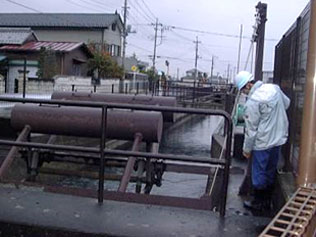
column 141, row 124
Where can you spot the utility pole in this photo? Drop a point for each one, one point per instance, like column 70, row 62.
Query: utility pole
column 197, row 42
column 155, row 45
column 178, row 74
column 124, row 47
column 228, row 73
column 239, row 49
column 262, row 14
column 212, row 67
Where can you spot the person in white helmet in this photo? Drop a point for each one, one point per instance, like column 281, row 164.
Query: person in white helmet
column 266, row 130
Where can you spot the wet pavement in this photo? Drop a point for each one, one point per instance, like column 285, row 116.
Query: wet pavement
column 28, row 207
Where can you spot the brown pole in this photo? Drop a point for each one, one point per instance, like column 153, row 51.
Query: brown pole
column 130, row 164
column 307, row 158
column 10, row 157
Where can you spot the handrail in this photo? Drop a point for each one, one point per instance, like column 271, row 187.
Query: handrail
column 104, row 106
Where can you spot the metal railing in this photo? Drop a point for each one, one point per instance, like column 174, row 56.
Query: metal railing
column 296, row 218
column 102, row 151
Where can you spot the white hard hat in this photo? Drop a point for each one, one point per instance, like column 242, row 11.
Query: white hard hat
column 242, row 79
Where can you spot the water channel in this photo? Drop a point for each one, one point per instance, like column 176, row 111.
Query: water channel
column 192, row 138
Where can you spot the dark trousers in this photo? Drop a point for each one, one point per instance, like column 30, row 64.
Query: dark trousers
column 264, row 167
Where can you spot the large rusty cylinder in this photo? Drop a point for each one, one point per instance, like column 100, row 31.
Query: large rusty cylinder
column 119, row 98
column 86, row 122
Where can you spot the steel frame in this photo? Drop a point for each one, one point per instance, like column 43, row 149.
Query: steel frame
column 102, row 151
column 296, row 217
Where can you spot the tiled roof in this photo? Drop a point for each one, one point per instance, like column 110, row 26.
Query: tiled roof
column 71, row 20
column 15, row 35
column 36, row 46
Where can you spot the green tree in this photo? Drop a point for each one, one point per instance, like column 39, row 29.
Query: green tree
column 152, row 77
column 103, row 64
column 47, row 63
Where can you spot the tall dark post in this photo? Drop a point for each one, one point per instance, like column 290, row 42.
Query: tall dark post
column 24, row 77
column 307, row 158
column 121, row 82
column 155, row 46
column 262, row 18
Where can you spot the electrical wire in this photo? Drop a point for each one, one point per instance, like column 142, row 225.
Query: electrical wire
column 213, row 33
column 140, row 13
column 146, row 6
column 94, row 4
column 83, row 6
column 144, row 11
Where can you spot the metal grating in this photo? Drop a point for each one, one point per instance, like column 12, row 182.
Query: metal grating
column 295, row 217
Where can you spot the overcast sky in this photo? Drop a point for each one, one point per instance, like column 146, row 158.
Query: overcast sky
column 213, row 16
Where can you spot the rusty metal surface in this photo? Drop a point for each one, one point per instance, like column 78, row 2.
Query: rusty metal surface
column 37, row 45
column 203, row 160
column 224, row 164
column 130, row 165
column 120, row 98
column 307, row 157
column 86, row 122
column 296, row 218
column 200, row 204
column 13, row 151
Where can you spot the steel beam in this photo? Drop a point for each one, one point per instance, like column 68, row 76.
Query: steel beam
column 307, row 157
column 130, row 165
column 120, row 98
column 86, row 122
column 13, row 151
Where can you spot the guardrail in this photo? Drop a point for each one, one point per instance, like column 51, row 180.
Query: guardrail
column 224, row 164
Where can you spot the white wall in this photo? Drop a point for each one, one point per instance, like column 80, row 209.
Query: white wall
column 85, row 36
column 113, row 37
column 13, row 73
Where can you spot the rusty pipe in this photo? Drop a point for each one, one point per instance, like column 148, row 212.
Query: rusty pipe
column 130, row 164
column 119, row 98
column 307, row 157
column 13, row 151
column 86, row 122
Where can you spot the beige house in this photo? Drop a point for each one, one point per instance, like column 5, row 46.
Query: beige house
column 102, row 29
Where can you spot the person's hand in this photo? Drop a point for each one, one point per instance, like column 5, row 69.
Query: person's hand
column 246, row 154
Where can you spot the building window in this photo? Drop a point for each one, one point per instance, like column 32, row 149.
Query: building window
column 114, row 27
column 76, row 69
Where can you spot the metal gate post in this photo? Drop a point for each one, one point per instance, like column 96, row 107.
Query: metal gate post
column 307, row 158
column 102, row 146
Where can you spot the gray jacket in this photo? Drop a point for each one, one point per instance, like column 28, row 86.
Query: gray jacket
column 266, row 122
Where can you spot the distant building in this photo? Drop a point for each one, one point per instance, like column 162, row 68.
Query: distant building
column 70, row 59
column 16, row 36
column 133, row 61
column 103, row 29
column 190, row 76
column 267, row 76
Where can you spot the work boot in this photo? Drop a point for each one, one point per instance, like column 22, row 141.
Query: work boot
column 258, row 202
column 268, row 197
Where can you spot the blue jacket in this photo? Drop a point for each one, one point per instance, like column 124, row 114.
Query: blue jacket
column 266, row 122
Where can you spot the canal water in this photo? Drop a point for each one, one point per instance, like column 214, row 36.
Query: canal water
column 192, row 138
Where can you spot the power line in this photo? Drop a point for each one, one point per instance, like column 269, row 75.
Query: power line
column 144, row 11
column 149, row 9
column 138, row 47
column 93, row 4
column 141, row 13
column 99, row 3
column 213, row 33
column 48, row 15
column 83, row 6
column 21, row 5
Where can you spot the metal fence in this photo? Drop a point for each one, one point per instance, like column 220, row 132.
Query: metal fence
column 187, row 94
column 101, row 152
column 290, row 74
